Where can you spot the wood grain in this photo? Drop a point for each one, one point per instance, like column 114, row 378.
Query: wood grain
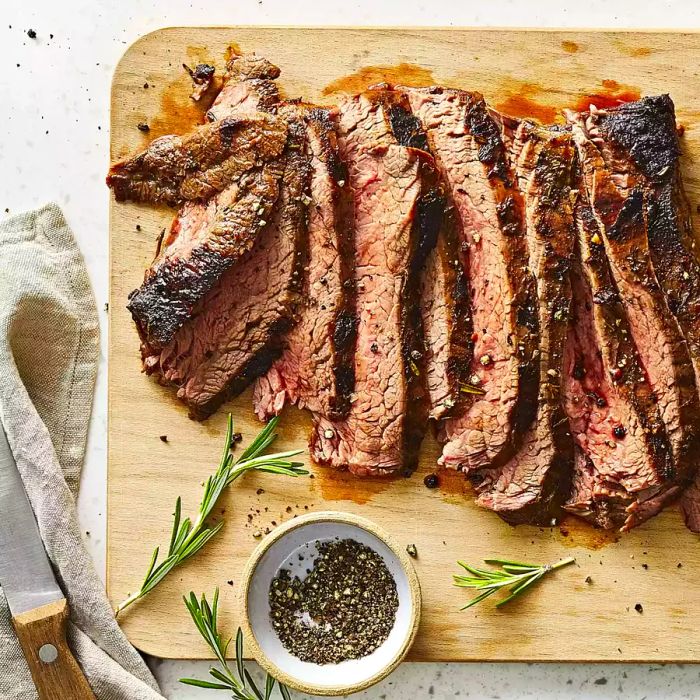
column 566, row 619
column 61, row 678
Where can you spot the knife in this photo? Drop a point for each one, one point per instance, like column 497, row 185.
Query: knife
column 38, row 607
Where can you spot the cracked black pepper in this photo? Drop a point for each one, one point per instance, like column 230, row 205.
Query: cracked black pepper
column 344, row 609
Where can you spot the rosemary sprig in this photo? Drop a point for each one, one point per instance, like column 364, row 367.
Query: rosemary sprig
column 189, row 536
column 239, row 681
column 512, row 575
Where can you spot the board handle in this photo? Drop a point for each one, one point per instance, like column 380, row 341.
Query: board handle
column 42, row 635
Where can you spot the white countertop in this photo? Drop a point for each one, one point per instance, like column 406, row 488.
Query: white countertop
column 54, row 134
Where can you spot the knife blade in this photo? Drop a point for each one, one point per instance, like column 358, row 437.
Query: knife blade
column 26, row 576
column 38, row 607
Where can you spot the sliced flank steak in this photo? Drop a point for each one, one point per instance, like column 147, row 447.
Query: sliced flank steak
column 235, row 329
column 397, row 211
column 623, row 454
column 471, row 158
column 316, row 369
column 616, row 191
column 235, row 332
column 531, row 486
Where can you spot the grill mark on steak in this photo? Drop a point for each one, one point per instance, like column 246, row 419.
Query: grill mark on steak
column 235, row 335
column 532, row 485
column 467, row 146
column 644, row 133
column 618, row 479
column 616, row 193
column 396, row 207
column 316, row 369
column 199, row 165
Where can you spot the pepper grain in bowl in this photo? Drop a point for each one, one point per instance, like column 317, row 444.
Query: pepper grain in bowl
column 330, row 604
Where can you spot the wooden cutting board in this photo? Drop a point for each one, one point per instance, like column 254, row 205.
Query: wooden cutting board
column 583, row 613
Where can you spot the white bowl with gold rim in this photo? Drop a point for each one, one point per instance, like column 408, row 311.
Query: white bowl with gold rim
column 280, row 550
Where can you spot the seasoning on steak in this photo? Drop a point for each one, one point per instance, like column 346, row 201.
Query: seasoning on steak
column 533, row 484
column 623, row 454
column 316, row 369
column 235, row 332
column 615, row 151
column 397, row 207
column 470, row 155
column 199, row 165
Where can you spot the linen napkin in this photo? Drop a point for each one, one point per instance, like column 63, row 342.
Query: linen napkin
column 48, row 359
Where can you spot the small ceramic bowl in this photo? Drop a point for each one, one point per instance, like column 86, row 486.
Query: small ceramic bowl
column 281, row 550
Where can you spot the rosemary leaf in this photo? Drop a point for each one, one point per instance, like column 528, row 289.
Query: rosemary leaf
column 269, row 686
column 203, row 684
column 189, row 536
column 239, row 652
column 514, row 576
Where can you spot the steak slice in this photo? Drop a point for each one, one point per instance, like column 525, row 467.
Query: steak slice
column 397, row 208
column 316, row 368
column 533, row 484
column 623, row 453
column 198, row 165
column 616, row 192
column 248, row 87
column 446, row 316
column 235, row 331
column 468, row 149
column 644, row 134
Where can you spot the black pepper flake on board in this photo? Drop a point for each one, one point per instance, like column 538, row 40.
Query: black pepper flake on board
column 638, row 607
column 31, row 33
column 344, row 609
column 138, row 227
column 230, row 582
column 431, row 481
column 163, row 438
column 236, row 438
column 260, row 492
column 412, row 551
column 589, row 580
column 645, row 566
column 601, row 681
column 142, row 126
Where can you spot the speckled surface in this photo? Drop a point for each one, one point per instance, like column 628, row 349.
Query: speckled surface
column 54, row 118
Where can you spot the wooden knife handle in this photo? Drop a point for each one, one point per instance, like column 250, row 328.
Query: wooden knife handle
column 42, row 634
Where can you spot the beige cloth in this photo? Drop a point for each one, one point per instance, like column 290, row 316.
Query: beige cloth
column 48, row 358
